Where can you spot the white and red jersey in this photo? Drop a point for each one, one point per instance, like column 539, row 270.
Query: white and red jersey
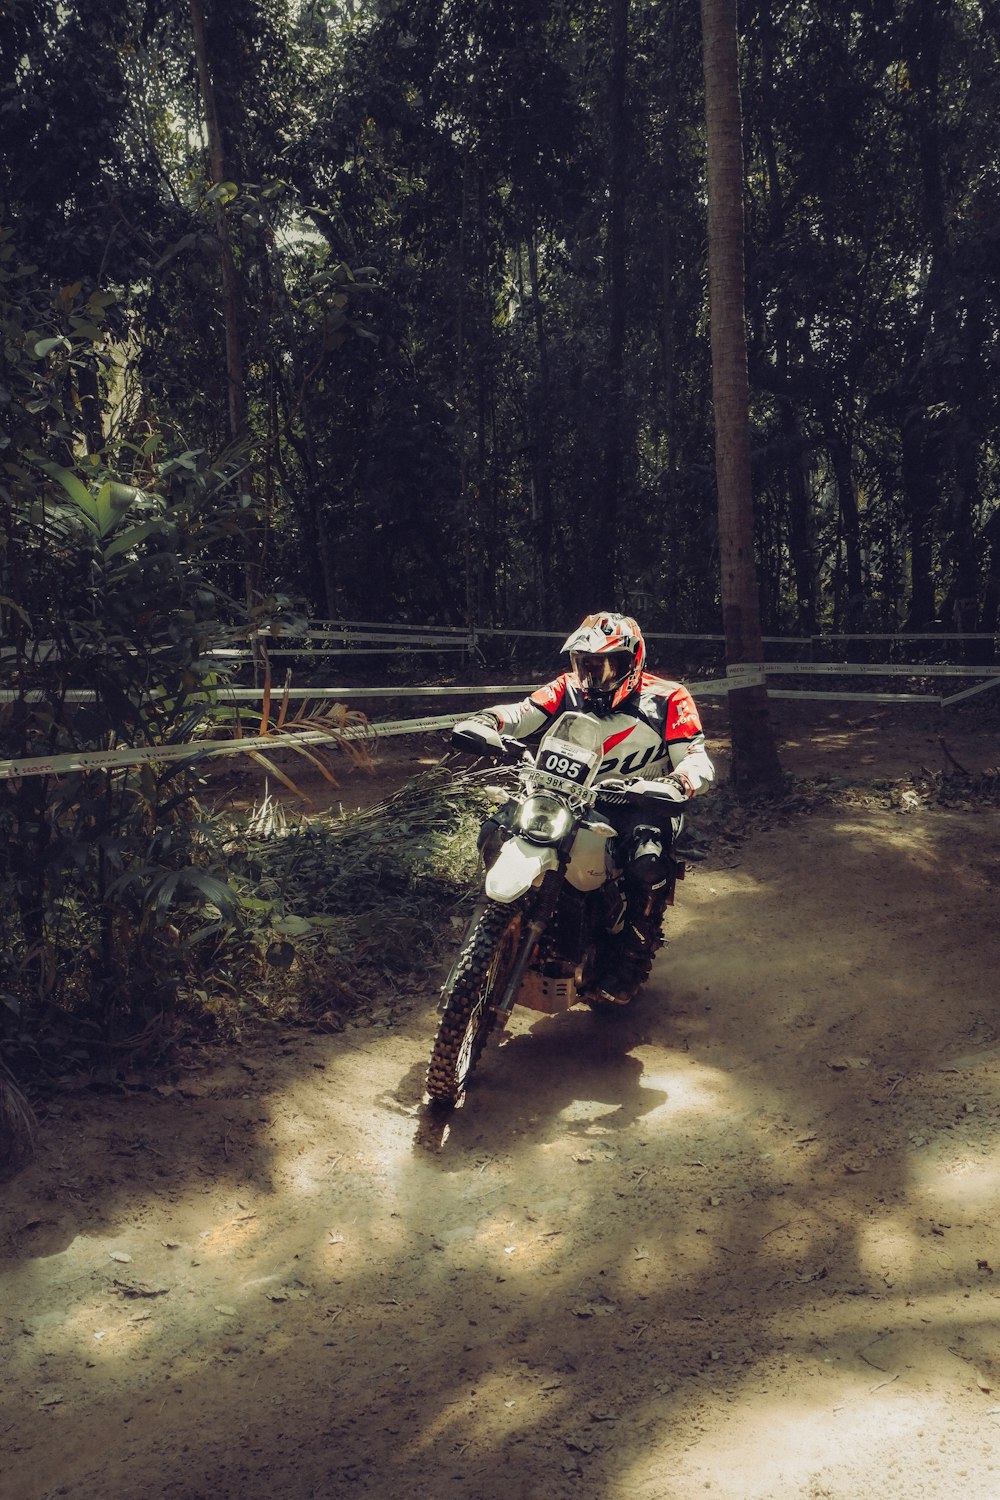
column 654, row 732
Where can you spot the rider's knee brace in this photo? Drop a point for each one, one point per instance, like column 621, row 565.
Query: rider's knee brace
column 648, row 871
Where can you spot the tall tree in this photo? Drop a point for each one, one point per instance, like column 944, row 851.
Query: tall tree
column 232, row 299
column 611, row 501
column 755, row 757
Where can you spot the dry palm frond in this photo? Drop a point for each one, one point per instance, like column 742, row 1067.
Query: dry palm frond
column 268, row 818
column 274, row 770
column 283, row 710
column 17, row 1125
column 347, row 730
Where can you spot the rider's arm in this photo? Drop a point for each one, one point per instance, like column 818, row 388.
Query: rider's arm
column 530, row 715
column 691, row 764
column 689, row 757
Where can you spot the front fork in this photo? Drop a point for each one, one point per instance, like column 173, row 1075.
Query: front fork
column 544, row 907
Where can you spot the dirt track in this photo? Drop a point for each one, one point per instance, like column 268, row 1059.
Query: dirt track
column 744, row 1240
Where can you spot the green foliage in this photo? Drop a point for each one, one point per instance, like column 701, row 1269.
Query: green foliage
column 111, row 594
column 337, row 905
column 422, row 234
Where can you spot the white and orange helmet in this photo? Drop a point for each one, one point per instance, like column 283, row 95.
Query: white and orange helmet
column 608, row 654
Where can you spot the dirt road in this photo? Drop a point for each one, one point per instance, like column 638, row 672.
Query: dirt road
column 743, row 1241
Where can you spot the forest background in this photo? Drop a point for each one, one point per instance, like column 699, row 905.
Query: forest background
column 398, row 311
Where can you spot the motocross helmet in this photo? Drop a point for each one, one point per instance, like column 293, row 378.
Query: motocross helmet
column 608, row 654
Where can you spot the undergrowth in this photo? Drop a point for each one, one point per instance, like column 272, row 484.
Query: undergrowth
column 338, row 909
column 726, row 818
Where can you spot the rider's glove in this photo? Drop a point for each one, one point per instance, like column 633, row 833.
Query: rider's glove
column 679, row 786
column 671, row 788
column 482, row 727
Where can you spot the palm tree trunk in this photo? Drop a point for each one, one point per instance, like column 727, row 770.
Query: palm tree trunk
column 755, row 757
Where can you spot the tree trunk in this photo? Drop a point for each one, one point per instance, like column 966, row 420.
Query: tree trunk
column 232, row 303
column 604, row 563
column 989, row 619
column 850, row 526
column 801, row 531
column 755, row 757
column 232, row 300
column 539, row 420
column 920, row 470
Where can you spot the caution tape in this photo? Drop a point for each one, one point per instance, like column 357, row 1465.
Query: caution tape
column 227, row 694
column 224, row 694
column 859, row 669
column 739, row 676
column 116, row 760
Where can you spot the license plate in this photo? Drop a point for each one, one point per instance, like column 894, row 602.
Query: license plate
column 564, row 767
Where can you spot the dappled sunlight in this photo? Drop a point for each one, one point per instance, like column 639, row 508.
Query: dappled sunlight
column 729, row 1235
column 904, row 833
column 506, row 1404
column 887, row 1245
column 783, row 1447
column 230, row 1237
column 585, row 1112
column 98, row 1330
column 960, row 1184
column 693, row 1091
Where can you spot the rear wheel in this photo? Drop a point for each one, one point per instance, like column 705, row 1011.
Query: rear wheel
column 477, row 983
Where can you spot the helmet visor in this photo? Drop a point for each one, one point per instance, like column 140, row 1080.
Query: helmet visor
column 601, row 671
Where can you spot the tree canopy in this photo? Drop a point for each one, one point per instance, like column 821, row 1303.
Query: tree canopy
column 467, row 284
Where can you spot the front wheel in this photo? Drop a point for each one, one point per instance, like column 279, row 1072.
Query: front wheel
column 477, row 983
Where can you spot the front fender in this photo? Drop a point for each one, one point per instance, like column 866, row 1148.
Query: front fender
column 517, row 867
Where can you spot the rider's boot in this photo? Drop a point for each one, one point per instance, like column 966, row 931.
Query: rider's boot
column 628, row 958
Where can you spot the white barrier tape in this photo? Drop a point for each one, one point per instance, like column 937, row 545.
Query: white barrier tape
column 330, row 627
column 732, row 684
column 99, row 760
column 650, row 635
column 980, row 687
column 102, row 760
column 354, row 634
column 231, row 654
column 333, row 627
column 380, row 638
column 741, row 675
column 225, row 694
column 927, row 699
column 909, row 635
column 857, row 669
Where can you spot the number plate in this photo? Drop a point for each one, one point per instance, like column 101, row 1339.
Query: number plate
column 563, row 767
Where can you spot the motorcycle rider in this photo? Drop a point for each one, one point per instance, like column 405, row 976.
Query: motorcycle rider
column 653, row 741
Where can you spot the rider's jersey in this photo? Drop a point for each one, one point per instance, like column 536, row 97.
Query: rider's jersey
column 655, row 731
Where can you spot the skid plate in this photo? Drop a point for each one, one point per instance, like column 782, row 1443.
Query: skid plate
column 547, row 993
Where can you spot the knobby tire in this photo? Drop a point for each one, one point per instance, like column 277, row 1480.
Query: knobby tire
column 470, row 1009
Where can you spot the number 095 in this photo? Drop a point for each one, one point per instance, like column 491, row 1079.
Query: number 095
column 561, row 765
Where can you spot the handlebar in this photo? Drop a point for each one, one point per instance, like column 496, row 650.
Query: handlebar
column 485, row 741
column 665, row 793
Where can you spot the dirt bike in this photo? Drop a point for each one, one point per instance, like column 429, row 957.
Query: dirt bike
column 553, row 896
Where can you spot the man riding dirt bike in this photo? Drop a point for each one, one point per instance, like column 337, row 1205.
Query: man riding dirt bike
column 651, row 732
column 580, row 862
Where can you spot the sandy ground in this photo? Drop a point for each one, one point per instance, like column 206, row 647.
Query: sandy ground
column 742, row 1241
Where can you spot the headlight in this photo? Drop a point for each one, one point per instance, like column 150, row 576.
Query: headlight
column 544, row 820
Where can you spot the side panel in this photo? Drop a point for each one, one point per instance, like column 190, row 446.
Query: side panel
column 588, row 868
